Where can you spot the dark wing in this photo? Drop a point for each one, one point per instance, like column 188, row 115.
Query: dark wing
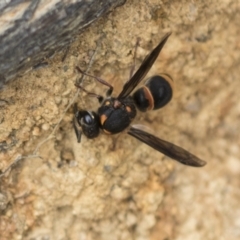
column 167, row 148
column 143, row 69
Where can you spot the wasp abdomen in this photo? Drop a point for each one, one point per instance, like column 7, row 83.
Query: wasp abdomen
column 156, row 93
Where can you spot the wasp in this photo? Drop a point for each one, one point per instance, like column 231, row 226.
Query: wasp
column 115, row 114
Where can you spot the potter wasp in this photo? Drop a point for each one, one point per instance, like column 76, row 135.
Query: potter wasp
column 116, row 113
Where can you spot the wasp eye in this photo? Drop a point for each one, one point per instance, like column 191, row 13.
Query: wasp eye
column 89, row 123
column 88, row 119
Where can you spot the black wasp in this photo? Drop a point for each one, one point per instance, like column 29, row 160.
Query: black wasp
column 116, row 113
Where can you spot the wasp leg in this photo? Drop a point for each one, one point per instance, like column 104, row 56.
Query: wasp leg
column 99, row 97
column 77, row 128
column 109, row 92
column 134, row 58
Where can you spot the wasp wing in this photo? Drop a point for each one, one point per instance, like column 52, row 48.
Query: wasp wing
column 143, row 69
column 169, row 149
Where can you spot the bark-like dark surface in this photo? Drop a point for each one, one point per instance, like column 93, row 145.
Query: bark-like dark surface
column 31, row 31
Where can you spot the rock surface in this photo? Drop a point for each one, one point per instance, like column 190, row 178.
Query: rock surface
column 115, row 187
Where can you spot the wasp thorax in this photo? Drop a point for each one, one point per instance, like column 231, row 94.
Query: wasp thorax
column 116, row 116
column 107, row 103
column 117, row 104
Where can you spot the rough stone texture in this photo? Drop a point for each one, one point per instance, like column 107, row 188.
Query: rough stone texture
column 116, row 187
